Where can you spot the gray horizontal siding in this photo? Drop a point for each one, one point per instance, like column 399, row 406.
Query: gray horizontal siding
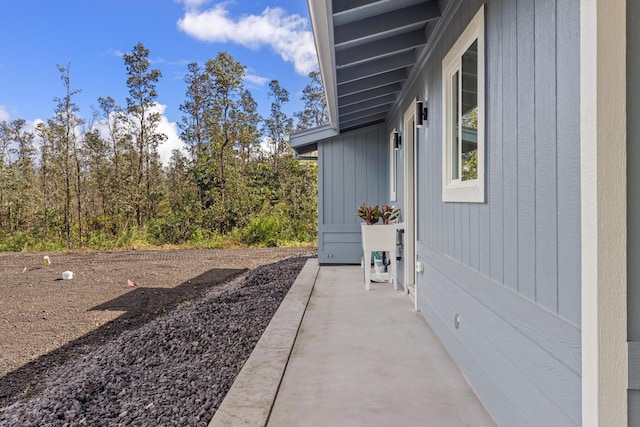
column 352, row 169
column 510, row 266
column 523, row 368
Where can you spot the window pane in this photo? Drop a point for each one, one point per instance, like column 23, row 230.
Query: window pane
column 470, row 113
column 455, row 174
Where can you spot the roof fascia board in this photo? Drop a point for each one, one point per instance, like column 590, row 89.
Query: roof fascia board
column 321, row 15
column 310, row 136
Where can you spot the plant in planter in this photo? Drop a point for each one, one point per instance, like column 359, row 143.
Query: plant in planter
column 389, row 214
column 370, row 214
column 373, row 214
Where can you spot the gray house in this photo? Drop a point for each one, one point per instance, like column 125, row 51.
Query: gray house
column 505, row 131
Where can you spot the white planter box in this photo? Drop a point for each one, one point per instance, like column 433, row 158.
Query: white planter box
column 379, row 237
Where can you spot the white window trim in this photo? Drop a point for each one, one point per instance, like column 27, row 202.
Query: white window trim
column 393, row 161
column 457, row 190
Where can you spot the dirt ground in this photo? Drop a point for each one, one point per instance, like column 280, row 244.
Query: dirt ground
column 45, row 320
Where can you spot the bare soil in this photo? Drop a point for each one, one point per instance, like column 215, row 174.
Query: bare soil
column 46, row 321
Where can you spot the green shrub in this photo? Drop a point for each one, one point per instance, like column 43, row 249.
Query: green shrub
column 173, row 229
column 21, row 241
column 267, row 230
column 16, row 242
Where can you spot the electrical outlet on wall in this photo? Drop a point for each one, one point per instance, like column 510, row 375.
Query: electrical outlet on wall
column 419, row 266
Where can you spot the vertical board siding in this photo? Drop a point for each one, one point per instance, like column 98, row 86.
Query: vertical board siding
column 462, row 227
column 361, row 171
column 510, row 266
column 494, row 142
column 434, row 132
column 326, row 200
column 353, row 169
column 338, row 163
column 510, row 143
column 546, row 224
column 457, row 230
column 421, row 199
column 422, row 180
column 526, row 235
column 484, row 211
column 349, row 151
column 568, row 146
column 474, row 240
column 526, row 149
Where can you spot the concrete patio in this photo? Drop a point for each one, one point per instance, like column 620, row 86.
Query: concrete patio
column 336, row 355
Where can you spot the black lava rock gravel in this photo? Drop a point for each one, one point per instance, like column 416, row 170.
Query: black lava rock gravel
column 173, row 371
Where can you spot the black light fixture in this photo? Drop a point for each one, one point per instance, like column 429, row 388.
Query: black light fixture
column 421, row 114
column 397, row 139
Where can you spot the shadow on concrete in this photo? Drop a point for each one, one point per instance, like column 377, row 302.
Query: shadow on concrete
column 141, row 305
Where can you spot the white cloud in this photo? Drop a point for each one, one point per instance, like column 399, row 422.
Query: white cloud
column 286, row 35
column 170, row 129
column 193, row 4
column 266, row 145
column 116, row 52
column 35, row 123
column 256, row 80
column 4, row 114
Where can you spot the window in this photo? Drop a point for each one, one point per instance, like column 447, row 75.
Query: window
column 463, row 118
column 393, row 159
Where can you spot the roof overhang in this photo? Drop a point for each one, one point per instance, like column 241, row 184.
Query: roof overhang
column 367, row 50
column 320, row 13
column 306, row 141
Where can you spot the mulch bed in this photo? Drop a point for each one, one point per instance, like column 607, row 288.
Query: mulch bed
column 154, row 364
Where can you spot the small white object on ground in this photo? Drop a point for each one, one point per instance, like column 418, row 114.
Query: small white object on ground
column 67, row 275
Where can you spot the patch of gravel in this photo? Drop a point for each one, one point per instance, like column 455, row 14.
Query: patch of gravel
column 173, row 371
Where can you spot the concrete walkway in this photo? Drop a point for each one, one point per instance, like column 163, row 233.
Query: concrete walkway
column 359, row 359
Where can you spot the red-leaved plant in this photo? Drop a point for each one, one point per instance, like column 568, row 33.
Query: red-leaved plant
column 389, row 213
column 372, row 214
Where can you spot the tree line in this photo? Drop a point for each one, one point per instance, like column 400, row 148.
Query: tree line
column 73, row 182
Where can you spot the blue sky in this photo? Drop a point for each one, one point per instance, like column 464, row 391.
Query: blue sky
column 272, row 38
